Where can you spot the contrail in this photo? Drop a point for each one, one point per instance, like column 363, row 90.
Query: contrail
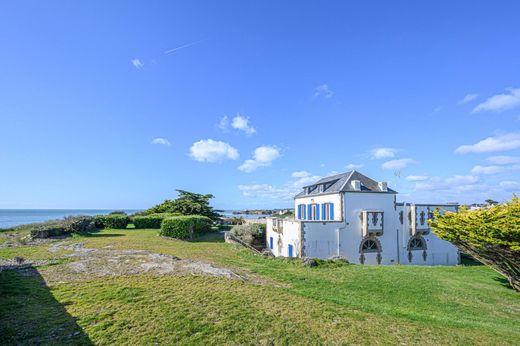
column 182, row 47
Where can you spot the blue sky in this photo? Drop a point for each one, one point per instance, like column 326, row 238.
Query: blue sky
column 107, row 104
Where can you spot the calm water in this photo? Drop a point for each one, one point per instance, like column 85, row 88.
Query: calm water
column 15, row 217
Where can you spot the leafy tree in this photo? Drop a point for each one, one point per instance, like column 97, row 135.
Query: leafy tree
column 491, row 235
column 188, row 203
column 491, row 201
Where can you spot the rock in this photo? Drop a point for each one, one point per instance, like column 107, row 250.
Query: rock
column 340, row 259
column 309, row 262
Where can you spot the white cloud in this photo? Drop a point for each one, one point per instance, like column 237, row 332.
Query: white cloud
column 284, row 192
column 223, row 123
column 500, row 102
column 161, row 141
column 510, row 185
column 323, row 91
column 242, row 123
column 468, row 98
column 502, row 142
column 137, row 63
column 382, row 153
column 493, row 169
column 352, row 166
column 300, row 174
column 397, row 164
column 503, row 160
column 262, row 157
column 417, row 177
column 209, row 150
column 457, row 183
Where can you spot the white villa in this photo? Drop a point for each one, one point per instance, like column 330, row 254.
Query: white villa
column 352, row 216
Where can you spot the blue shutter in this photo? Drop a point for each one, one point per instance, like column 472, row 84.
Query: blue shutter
column 317, row 211
column 271, row 243
column 290, row 250
column 309, row 212
column 332, row 211
column 304, row 212
column 323, row 209
column 299, row 212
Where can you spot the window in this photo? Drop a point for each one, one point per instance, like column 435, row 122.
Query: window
column 370, row 245
column 327, row 211
column 290, row 249
column 314, row 212
column 271, row 243
column 417, row 243
column 301, row 212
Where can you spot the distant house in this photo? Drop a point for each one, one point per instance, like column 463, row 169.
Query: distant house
column 352, row 216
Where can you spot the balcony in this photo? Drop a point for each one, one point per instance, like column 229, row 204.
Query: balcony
column 372, row 222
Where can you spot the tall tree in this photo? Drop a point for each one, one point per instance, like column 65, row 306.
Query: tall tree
column 491, row 235
column 188, row 203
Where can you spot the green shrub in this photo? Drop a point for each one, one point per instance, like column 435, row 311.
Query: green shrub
column 151, row 221
column 250, row 233
column 116, row 221
column 48, row 229
column 185, row 227
column 79, row 224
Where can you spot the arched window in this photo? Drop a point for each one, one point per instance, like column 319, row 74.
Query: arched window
column 416, row 243
column 370, row 245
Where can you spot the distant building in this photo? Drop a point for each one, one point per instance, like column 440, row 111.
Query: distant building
column 352, row 216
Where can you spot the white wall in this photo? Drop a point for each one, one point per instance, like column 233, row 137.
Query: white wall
column 332, row 198
column 290, row 233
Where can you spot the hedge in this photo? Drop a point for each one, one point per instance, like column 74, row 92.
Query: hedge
column 185, row 227
column 48, row 229
column 150, row 221
column 79, row 224
column 116, row 221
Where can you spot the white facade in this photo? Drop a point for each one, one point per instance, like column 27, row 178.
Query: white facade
column 368, row 227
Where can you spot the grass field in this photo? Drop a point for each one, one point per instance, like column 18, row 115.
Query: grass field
column 289, row 303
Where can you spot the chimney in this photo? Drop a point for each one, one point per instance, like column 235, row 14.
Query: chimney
column 383, row 186
column 356, row 185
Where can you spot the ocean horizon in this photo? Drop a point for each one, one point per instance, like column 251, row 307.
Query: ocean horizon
column 15, row 217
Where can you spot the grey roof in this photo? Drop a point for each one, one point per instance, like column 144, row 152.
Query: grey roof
column 341, row 183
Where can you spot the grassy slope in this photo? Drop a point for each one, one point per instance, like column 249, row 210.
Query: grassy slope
column 328, row 304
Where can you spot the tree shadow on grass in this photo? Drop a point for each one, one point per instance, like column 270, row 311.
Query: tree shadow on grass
column 212, row 237
column 503, row 281
column 30, row 315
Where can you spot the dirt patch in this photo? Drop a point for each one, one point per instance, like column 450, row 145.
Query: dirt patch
column 92, row 262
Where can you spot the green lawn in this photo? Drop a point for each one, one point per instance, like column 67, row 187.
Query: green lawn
column 329, row 304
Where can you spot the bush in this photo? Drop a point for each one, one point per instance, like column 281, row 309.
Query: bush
column 249, row 233
column 79, row 224
column 48, row 229
column 151, row 221
column 117, row 212
column 116, row 221
column 185, row 227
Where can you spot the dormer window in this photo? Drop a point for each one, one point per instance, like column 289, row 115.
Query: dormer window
column 310, row 189
column 327, row 185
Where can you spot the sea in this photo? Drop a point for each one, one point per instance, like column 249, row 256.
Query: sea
column 14, row 217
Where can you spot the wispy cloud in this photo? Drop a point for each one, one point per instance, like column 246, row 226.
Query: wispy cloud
column 137, row 63
column 351, row 166
column 161, row 141
column 493, row 169
column 501, row 142
column 459, row 183
column 382, row 153
column 324, row 91
column 283, row 192
column 169, row 51
column 468, row 98
column 262, row 157
column 417, row 177
column 397, row 164
column 209, row 150
column 503, row 160
column 500, row 102
column 242, row 123
column 223, row 123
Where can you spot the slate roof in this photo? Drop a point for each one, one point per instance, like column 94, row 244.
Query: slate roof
column 341, row 183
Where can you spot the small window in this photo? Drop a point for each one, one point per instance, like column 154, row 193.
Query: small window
column 301, row 211
column 370, row 245
column 417, row 243
column 290, row 250
column 313, row 212
column 328, row 211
